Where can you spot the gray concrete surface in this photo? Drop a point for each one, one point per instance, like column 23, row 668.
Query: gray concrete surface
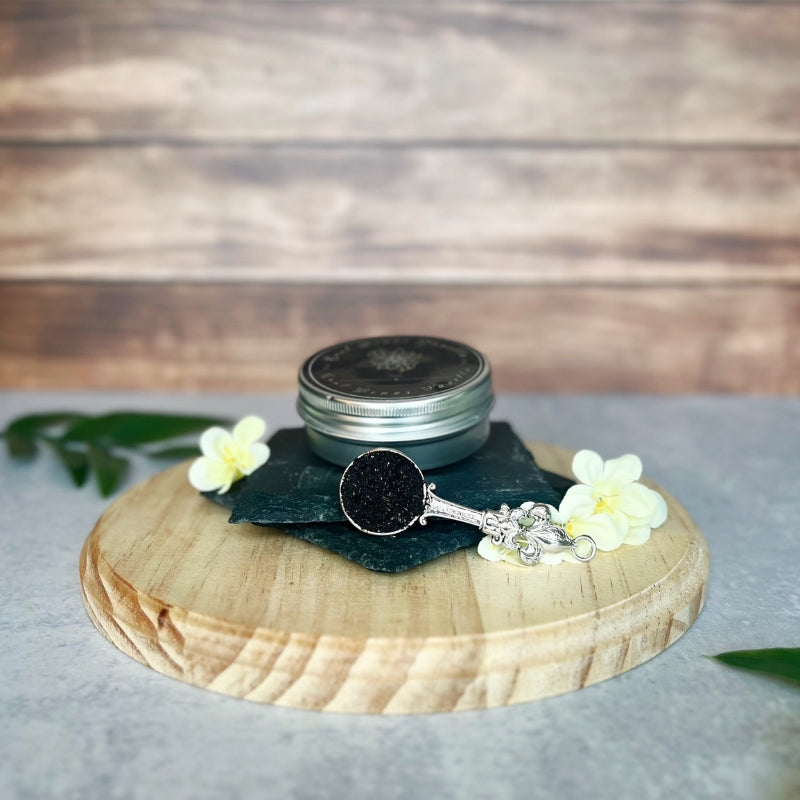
column 82, row 720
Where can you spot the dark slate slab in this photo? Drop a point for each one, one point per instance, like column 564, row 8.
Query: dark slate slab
column 299, row 492
column 388, row 553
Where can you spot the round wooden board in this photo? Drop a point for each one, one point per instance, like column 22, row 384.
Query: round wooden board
column 254, row 613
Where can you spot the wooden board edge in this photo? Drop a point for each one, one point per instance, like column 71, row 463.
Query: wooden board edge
column 436, row 674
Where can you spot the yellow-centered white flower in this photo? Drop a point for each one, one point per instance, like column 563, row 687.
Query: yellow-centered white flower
column 608, row 504
column 228, row 457
column 612, row 487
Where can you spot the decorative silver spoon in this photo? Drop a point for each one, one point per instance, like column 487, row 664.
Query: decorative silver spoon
column 383, row 492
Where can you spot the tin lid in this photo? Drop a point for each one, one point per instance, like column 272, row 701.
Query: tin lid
column 395, row 389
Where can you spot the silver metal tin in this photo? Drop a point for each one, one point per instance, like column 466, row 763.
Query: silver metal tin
column 429, row 398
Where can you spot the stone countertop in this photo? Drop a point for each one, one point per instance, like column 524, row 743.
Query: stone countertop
column 82, row 720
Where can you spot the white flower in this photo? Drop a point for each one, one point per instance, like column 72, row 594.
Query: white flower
column 612, row 487
column 575, row 516
column 229, row 457
column 608, row 504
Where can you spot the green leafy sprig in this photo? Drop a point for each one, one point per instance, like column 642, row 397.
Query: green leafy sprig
column 91, row 444
column 779, row 662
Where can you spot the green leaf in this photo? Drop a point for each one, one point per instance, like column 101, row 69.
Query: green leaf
column 22, row 432
column 75, row 461
column 130, row 428
column 180, row 451
column 782, row 662
column 31, row 425
column 110, row 469
column 19, row 446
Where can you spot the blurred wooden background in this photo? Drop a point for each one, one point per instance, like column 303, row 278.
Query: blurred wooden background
column 602, row 196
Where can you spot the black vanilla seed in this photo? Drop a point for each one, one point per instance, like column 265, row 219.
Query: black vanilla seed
column 382, row 492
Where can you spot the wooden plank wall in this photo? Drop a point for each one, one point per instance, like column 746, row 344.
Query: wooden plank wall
column 603, row 196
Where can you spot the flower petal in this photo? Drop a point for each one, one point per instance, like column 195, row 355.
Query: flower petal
column 208, row 474
column 249, row 430
column 512, row 557
column 214, row 440
column 638, row 534
column 490, row 551
column 607, row 530
column 587, row 466
column 577, row 502
column 234, row 477
column 637, row 501
column 660, row 514
column 259, row 453
column 619, row 472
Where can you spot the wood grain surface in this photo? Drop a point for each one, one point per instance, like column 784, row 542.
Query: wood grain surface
column 254, row 613
column 254, row 336
column 424, row 215
column 656, row 72
column 373, row 167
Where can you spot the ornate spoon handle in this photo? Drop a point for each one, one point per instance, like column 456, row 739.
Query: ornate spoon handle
column 526, row 529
